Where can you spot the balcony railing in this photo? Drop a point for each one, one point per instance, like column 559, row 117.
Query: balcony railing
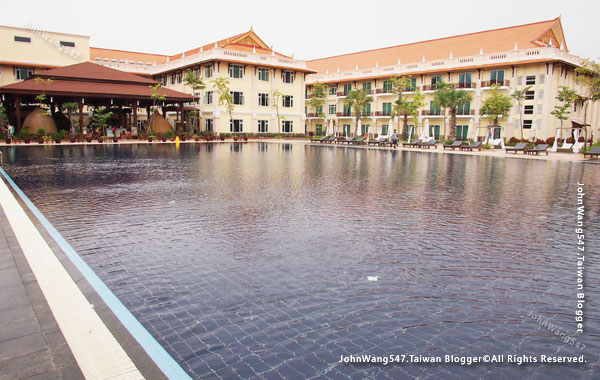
column 383, row 113
column 383, row 90
column 433, row 112
column 313, row 114
column 465, row 113
column 344, row 114
column 488, row 83
column 342, row 93
column 465, row 85
column 365, row 113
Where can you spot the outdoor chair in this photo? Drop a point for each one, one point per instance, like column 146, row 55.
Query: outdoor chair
column 471, row 146
column 594, row 152
column 411, row 144
column 454, row 145
column 519, row 147
column 540, row 148
column 428, row 144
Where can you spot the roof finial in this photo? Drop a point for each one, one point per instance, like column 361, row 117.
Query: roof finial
column 516, row 46
column 183, row 55
column 201, row 49
column 399, row 62
column 562, row 45
column 481, row 51
column 216, row 45
column 377, row 64
column 338, row 69
column 252, row 30
column 326, row 71
column 356, row 67
column 451, row 56
column 550, row 43
column 423, row 58
column 254, row 49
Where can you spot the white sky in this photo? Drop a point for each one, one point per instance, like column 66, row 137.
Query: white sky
column 308, row 29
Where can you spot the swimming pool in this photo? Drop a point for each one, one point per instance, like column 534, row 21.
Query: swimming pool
column 251, row 260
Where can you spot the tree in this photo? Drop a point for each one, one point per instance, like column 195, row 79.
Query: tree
column 589, row 76
column 318, row 97
column 566, row 96
column 497, row 105
column 100, row 119
column 193, row 80
column 3, row 118
column 156, row 97
column 448, row 97
column 70, row 107
column 277, row 96
column 225, row 98
column 519, row 96
column 405, row 107
column 358, row 100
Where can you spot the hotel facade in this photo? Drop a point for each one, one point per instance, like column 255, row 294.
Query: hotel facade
column 264, row 83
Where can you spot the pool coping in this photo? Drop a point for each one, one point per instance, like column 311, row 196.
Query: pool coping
column 149, row 357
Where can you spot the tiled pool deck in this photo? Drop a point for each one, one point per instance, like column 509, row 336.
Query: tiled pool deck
column 32, row 345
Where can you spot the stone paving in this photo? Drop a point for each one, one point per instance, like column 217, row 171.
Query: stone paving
column 31, row 343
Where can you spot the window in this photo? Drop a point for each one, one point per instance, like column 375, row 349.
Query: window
column 287, row 76
column 67, row 44
column 347, row 88
column 333, row 89
column 179, row 77
column 463, row 109
column 387, row 109
column 263, row 100
column 364, row 129
column 347, row 110
column 497, row 77
column 164, row 80
column 367, row 86
column 208, row 97
column 387, row 86
column 319, row 129
column 435, row 81
column 287, row 101
column 332, row 109
column 411, row 84
column 236, row 126
column 530, row 80
column 208, row 123
column 461, row 132
column 529, row 95
column 236, row 71
column 433, row 109
column 22, row 39
column 527, row 124
column 237, row 97
column 366, row 111
column 319, row 110
column 263, row 74
column 287, row 126
column 384, row 129
column 464, row 80
column 434, row 130
column 22, row 73
column 346, row 129
column 528, row 110
column 172, row 78
column 208, row 71
column 263, row 126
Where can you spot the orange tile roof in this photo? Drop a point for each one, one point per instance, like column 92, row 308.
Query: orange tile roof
column 126, row 55
column 491, row 41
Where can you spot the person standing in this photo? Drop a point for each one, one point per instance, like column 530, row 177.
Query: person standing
column 394, row 139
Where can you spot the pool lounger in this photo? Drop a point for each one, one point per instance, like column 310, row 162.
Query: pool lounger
column 540, row 148
column 454, row 145
column 411, row 144
column 428, row 144
column 594, row 152
column 470, row 147
column 520, row 147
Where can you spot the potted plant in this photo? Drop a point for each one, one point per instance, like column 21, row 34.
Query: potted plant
column 150, row 137
column 57, row 136
column 222, row 136
column 72, row 137
column 100, row 120
column 89, row 137
column 41, row 133
column 100, row 139
column 26, row 136
column 169, row 135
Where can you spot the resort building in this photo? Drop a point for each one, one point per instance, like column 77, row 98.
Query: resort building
column 533, row 55
column 270, row 91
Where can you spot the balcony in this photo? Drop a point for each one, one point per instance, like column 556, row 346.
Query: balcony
column 344, row 114
column 383, row 113
column 433, row 112
column 341, row 93
column 410, row 88
column 464, row 85
column 317, row 115
column 465, row 113
column 489, row 83
column 429, row 87
column 365, row 113
column 383, row 90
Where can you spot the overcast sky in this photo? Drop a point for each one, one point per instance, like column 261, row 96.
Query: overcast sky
column 308, row 29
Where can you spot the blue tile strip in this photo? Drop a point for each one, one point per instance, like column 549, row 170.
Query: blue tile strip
column 159, row 355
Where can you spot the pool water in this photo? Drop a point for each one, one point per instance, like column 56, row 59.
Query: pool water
column 252, row 260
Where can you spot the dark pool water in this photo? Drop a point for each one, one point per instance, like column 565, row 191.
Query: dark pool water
column 251, row 261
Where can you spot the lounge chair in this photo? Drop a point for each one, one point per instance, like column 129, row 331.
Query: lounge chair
column 358, row 140
column 519, row 147
column 594, row 152
column 454, row 145
column 321, row 140
column 540, row 148
column 330, row 139
column 373, row 142
column 343, row 139
column 411, row 144
column 471, row 146
column 565, row 148
column 428, row 144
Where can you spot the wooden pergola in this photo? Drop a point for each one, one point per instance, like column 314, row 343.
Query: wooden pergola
column 89, row 84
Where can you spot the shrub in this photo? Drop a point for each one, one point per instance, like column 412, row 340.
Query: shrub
column 539, row 141
column 513, row 140
column 550, row 140
column 169, row 134
column 570, row 140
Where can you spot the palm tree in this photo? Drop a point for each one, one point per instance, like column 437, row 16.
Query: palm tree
column 358, row 99
column 405, row 108
column 519, row 96
column 496, row 105
column 450, row 98
column 193, row 80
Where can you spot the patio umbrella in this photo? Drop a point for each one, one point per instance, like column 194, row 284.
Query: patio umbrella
column 555, row 145
column 358, row 131
column 330, row 128
column 471, row 130
column 426, row 130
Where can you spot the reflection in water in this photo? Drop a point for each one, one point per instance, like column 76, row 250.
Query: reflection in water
column 251, row 259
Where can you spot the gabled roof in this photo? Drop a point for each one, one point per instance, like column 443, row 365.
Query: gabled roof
column 248, row 41
column 87, row 71
column 526, row 36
